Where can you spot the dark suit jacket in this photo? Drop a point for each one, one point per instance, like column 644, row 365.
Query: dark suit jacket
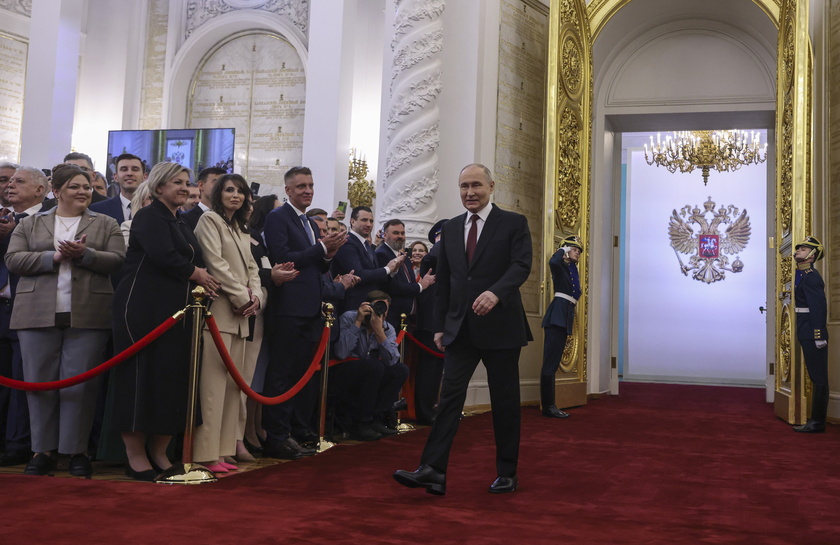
column 402, row 287
column 352, row 256
column 561, row 312
column 287, row 240
column 110, row 207
column 191, row 217
column 809, row 292
column 426, row 299
column 501, row 264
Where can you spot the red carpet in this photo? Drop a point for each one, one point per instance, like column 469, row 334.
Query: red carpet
column 658, row 464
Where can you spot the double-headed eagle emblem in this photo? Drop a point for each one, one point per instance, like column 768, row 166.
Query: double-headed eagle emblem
column 707, row 245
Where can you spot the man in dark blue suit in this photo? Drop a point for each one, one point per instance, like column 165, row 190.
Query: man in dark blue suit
column 359, row 257
column 294, row 323
column 129, row 174
column 559, row 318
column 485, row 256
column 401, row 284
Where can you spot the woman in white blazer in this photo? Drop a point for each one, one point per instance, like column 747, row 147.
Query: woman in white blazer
column 225, row 242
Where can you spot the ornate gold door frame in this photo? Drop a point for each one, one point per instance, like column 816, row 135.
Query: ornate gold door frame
column 793, row 197
column 568, row 137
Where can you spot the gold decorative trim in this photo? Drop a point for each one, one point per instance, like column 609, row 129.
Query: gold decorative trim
column 568, row 161
column 601, row 11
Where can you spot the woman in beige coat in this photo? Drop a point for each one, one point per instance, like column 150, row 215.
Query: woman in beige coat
column 225, row 243
column 62, row 312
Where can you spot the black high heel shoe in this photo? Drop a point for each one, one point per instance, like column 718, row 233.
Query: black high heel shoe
column 148, row 475
column 253, row 449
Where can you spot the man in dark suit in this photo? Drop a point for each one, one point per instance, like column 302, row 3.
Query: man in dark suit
column 359, row 257
column 401, row 284
column 129, row 175
column 294, row 323
column 485, row 256
column 24, row 194
column 559, row 318
column 811, row 331
column 206, row 182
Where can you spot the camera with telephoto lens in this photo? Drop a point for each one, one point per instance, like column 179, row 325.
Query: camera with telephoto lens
column 379, row 308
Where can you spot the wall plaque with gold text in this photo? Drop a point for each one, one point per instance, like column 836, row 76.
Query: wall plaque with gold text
column 13, row 52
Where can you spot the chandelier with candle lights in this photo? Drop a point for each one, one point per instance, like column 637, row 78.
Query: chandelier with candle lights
column 724, row 151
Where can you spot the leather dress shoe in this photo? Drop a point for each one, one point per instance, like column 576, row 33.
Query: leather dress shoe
column 504, row 484
column 284, row 450
column 811, row 426
column 306, row 436
column 382, row 429
column 40, row 464
column 553, row 412
column 80, row 466
column 15, row 458
column 424, row 477
column 148, row 476
column 304, row 451
column 364, row 432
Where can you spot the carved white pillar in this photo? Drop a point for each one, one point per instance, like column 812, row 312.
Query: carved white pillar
column 410, row 178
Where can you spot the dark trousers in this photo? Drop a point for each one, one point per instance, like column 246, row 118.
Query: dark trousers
column 292, row 344
column 460, row 362
column 366, row 388
column 427, row 374
column 816, row 361
column 14, row 410
column 553, row 347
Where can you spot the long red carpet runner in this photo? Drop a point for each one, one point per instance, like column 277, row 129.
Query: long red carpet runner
column 659, row 464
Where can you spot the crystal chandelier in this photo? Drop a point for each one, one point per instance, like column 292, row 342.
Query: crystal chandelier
column 724, row 151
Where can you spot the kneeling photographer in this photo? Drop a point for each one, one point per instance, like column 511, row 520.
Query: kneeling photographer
column 371, row 385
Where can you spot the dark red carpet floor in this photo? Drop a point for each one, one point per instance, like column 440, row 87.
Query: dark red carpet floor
column 659, row 464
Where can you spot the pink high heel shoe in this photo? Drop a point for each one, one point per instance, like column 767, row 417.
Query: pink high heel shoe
column 216, row 467
column 227, row 466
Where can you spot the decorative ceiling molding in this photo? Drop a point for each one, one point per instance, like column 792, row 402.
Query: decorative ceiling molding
column 21, row 7
column 200, row 12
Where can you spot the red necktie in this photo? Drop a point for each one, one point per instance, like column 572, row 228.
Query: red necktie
column 472, row 237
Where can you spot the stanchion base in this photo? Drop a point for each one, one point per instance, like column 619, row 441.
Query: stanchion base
column 324, row 445
column 186, row 474
column 403, row 427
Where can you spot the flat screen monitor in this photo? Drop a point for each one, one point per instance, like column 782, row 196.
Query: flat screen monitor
column 193, row 148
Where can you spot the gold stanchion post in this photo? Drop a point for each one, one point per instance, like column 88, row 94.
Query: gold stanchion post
column 188, row 472
column 329, row 321
column 403, row 426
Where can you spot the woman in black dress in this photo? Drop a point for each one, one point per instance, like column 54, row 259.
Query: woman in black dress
column 163, row 263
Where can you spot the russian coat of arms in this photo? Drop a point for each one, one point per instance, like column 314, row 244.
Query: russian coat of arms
column 708, row 248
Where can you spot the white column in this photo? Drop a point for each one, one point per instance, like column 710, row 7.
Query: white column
column 51, row 77
column 412, row 125
column 329, row 88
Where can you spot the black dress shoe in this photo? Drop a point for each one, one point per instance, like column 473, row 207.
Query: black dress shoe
column 553, row 412
column 364, row 432
column 383, row 430
column 812, row 426
column 80, row 466
column 15, row 458
column 504, row 484
column 283, row 450
column 307, row 436
column 148, row 476
column 425, row 477
column 40, row 464
column 304, row 451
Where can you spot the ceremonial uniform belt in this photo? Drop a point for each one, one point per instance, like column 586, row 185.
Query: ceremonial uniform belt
column 801, row 310
column 565, row 296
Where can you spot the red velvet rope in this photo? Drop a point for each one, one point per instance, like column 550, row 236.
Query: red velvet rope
column 425, row 348
column 234, row 372
column 119, row 358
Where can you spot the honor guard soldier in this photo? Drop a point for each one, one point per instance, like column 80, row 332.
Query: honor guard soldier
column 559, row 318
column 810, row 306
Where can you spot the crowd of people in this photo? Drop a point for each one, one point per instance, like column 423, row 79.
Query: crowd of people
column 85, row 276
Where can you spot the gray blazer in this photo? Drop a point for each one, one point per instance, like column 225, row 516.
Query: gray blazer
column 30, row 255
